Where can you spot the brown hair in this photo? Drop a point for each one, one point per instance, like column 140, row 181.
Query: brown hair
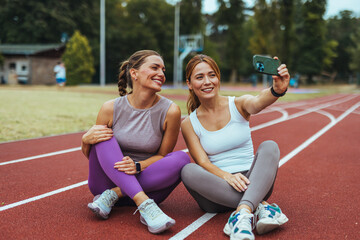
column 193, row 101
column 135, row 61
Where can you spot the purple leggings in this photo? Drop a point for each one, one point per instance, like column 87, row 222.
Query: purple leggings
column 157, row 181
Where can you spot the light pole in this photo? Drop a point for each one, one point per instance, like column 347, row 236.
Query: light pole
column 176, row 44
column 102, row 43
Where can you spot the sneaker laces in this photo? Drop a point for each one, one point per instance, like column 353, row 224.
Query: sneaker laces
column 245, row 222
column 108, row 198
column 260, row 211
column 152, row 210
column 264, row 211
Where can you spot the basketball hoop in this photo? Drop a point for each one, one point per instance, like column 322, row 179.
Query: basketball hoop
column 193, row 43
column 187, row 44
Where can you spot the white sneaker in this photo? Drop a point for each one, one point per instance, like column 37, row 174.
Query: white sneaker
column 240, row 226
column 153, row 217
column 103, row 203
column 268, row 218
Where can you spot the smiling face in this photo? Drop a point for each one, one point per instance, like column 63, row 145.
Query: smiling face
column 204, row 81
column 150, row 74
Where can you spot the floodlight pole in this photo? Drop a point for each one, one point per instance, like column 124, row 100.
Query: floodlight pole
column 182, row 57
column 102, row 43
column 176, row 45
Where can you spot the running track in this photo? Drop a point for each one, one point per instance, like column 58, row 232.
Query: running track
column 43, row 191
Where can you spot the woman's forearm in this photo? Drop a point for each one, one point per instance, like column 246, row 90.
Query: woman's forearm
column 215, row 170
column 85, row 148
column 144, row 164
column 263, row 100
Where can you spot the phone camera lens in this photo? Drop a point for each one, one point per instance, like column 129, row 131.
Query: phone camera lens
column 260, row 67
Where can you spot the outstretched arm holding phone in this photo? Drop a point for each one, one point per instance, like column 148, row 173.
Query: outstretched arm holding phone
column 249, row 104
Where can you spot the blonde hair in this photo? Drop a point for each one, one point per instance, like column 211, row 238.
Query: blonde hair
column 193, row 101
column 135, row 61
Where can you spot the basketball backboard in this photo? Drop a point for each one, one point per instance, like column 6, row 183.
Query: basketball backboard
column 194, row 41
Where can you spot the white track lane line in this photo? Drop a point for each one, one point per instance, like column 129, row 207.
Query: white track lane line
column 41, row 156
column 301, row 113
column 318, row 134
column 285, row 105
column 281, row 108
column 48, row 194
column 193, row 226
column 85, row 182
column 41, row 138
column 284, row 117
column 196, row 224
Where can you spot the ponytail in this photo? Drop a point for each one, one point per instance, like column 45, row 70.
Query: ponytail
column 124, row 79
column 193, row 102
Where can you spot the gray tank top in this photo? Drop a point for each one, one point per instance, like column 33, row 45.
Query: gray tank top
column 139, row 132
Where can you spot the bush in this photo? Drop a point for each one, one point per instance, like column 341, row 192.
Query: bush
column 78, row 60
column 1, row 60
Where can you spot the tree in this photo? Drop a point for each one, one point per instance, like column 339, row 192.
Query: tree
column 266, row 37
column 329, row 53
column 211, row 39
column 45, row 21
column 355, row 55
column 340, row 28
column 1, row 60
column 78, row 59
column 286, row 19
column 312, row 49
column 135, row 25
column 190, row 17
column 33, row 21
column 230, row 17
column 298, row 32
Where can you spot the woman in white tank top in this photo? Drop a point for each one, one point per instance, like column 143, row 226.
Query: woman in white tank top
column 217, row 134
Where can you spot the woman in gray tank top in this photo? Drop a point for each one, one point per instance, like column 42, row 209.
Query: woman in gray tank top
column 217, row 134
column 130, row 147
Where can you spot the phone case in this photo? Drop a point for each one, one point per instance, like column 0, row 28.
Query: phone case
column 265, row 65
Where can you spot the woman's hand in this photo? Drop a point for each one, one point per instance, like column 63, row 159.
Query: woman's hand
column 126, row 165
column 96, row 134
column 238, row 181
column 281, row 83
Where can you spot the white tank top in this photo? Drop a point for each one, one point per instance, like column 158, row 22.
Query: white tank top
column 230, row 148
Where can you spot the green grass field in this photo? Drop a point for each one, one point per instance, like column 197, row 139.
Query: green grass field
column 36, row 111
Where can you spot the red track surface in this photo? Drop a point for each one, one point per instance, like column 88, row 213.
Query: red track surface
column 317, row 188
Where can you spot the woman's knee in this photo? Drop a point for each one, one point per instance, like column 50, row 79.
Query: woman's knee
column 270, row 149
column 187, row 172
column 180, row 157
column 111, row 142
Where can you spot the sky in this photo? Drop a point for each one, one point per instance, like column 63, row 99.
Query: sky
column 333, row 6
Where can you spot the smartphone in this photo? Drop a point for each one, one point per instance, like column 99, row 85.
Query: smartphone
column 266, row 65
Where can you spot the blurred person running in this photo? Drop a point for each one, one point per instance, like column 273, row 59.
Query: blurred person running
column 130, row 147
column 60, row 74
column 227, row 176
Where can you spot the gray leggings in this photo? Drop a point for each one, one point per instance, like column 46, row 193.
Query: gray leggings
column 214, row 194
